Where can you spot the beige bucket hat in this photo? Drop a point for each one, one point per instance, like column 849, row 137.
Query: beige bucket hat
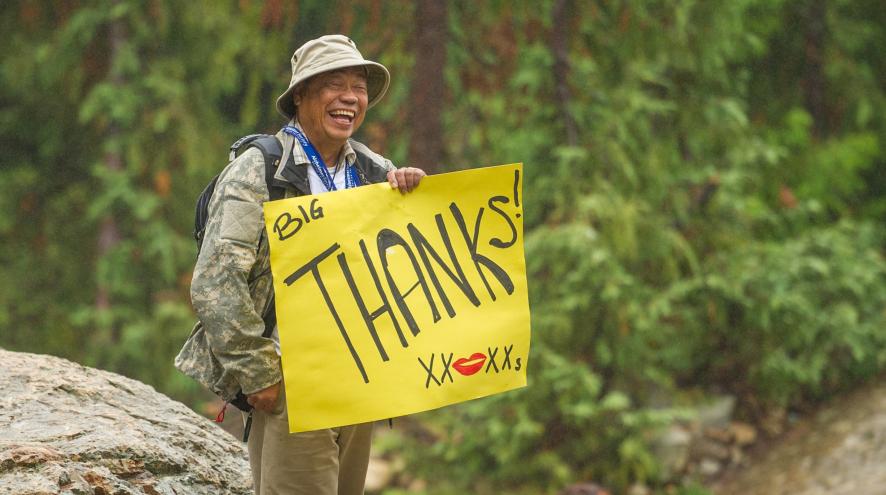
column 327, row 53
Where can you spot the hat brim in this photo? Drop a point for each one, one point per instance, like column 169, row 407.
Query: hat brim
column 377, row 81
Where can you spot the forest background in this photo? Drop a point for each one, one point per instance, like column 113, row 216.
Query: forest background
column 704, row 197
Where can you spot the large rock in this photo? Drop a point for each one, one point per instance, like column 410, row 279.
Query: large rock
column 66, row 428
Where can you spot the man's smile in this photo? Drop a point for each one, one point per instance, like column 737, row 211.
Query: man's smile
column 343, row 116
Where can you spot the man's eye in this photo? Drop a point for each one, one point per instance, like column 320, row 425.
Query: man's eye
column 336, row 85
column 360, row 89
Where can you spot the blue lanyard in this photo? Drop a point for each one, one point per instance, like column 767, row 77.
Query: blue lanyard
column 351, row 179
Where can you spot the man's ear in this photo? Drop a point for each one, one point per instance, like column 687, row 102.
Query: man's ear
column 298, row 92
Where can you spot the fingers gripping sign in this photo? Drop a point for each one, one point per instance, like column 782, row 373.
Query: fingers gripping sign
column 405, row 179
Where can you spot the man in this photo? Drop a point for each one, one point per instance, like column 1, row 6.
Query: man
column 331, row 88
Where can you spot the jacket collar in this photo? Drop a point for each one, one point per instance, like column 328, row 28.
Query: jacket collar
column 293, row 168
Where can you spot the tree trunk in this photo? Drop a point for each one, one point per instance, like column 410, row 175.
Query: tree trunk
column 109, row 233
column 815, row 16
column 428, row 86
column 559, row 47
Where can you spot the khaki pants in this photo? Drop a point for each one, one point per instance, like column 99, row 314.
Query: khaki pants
column 322, row 462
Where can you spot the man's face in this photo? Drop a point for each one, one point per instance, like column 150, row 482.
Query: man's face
column 332, row 106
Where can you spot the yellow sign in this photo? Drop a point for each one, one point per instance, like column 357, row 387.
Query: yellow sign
column 390, row 304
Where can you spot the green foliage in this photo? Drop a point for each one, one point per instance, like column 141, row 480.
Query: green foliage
column 680, row 244
column 792, row 321
column 710, row 226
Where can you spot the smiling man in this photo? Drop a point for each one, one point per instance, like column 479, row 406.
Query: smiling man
column 332, row 87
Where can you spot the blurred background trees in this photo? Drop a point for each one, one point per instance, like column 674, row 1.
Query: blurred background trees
column 705, row 208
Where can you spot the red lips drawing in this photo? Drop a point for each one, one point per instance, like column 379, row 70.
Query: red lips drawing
column 471, row 365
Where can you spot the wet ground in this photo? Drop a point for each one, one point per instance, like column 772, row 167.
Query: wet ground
column 839, row 451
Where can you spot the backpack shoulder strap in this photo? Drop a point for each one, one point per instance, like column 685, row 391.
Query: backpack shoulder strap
column 244, row 142
column 271, row 151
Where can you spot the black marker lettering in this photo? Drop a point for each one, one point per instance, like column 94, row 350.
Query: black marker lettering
column 388, row 238
column 516, row 188
column 446, row 370
column 317, row 212
column 386, row 306
column 430, row 370
column 283, row 225
column 283, row 222
column 479, row 259
column 304, row 213
column 496, row 242
column 369, row 318
column 458, row 277
column 518, row 366
column 312, row 267
column 491, row 363
column 507, row 359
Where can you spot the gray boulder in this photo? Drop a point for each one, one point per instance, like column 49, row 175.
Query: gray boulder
column 69, row 429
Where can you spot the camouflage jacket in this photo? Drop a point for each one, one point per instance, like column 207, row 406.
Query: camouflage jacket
column 231, row 285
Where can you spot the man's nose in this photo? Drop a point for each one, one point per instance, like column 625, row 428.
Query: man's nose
column 349, row 95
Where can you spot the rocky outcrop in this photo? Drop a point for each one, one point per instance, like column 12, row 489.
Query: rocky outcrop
column 69, row 429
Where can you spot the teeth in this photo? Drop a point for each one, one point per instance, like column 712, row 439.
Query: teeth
column 346, row 113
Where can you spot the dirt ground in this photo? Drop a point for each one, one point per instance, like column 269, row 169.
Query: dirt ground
column 839, row 451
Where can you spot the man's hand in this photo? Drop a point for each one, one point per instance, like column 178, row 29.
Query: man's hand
column 405, row 179
column 266, row 399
